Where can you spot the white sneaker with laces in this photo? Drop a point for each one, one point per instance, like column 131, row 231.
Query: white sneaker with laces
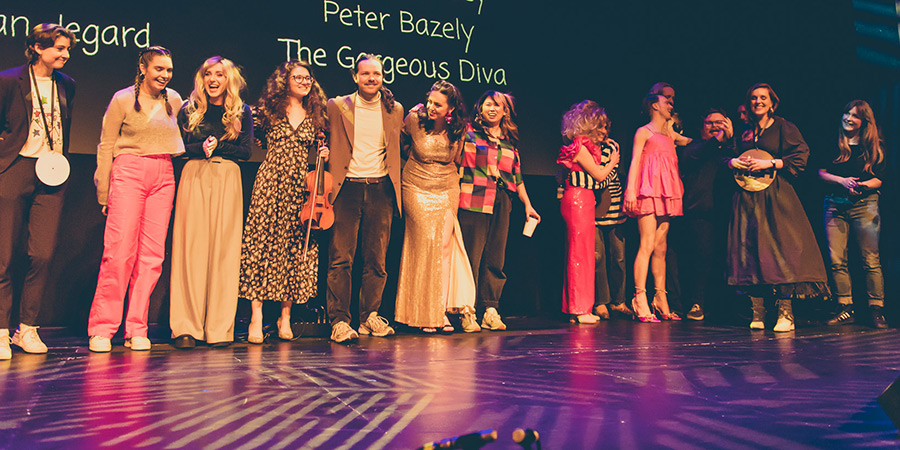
column 27, row 339
column 99, row 344
column 5, row 351
column 492, row 321
column 376, row 326
column 139, row 343
column 341, row 332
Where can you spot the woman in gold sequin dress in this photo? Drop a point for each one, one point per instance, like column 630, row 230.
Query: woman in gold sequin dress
column 435, row 275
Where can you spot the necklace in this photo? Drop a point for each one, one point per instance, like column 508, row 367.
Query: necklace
column 757, row 131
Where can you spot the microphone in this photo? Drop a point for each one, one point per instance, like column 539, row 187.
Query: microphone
column 526, row 437
column 471, row 441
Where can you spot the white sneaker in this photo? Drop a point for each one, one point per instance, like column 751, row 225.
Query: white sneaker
column 27, row 339
column 341, row 332
column 99, row 344
column 139, row 343
column 376, row 326
column 5, row 351
column 492, row 321
column 783, row 324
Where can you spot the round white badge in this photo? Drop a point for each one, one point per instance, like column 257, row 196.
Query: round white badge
column 52, row 168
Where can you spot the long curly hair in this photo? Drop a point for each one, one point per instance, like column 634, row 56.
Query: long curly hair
column 457, row 125
column 583, row 118
column 144, row 58
column 273, row 100
column 869, row 137
column 234, row 106
column 507, row 124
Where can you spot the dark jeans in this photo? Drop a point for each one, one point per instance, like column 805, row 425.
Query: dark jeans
column 609, row 265
column 29, row 213
column 862, row 218
column 363, row 213
column 484, row 236
column 701, row 252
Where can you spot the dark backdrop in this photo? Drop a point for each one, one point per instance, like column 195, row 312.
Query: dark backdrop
column 817, row 55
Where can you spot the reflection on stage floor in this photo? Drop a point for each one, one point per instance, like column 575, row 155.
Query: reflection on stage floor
column 617, row 384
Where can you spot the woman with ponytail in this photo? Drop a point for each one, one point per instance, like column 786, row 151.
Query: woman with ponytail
column 135, row 188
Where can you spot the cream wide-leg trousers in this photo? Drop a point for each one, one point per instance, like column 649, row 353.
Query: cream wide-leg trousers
column 206, row 250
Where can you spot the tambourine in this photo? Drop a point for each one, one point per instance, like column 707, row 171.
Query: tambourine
column 755, row 181
column 52, row 168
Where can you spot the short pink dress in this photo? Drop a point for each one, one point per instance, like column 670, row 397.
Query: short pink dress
column 659, row 184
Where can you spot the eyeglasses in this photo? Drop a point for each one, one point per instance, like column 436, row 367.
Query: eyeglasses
column 714, row 122
column 301, row 79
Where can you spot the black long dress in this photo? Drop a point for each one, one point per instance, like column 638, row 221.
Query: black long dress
column 771, row 246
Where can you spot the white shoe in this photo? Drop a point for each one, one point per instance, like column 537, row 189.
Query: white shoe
column 5, row 351
column 27, row 339
column 99, row 344
column 492, row 321
column 341, row 332
column 138, row 343
column 376, row 326
column 784, row 324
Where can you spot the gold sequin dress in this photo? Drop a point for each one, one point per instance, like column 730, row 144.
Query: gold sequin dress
column 432, row 242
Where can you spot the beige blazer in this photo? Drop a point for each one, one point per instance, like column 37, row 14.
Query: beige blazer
column 340, row 118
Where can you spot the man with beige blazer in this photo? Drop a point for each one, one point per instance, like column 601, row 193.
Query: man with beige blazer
column 365, row 164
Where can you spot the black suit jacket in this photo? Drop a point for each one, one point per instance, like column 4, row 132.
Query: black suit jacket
column 16, row 109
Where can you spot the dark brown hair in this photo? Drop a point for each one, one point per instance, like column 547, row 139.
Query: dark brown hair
column 144, row 57
column 457, row 126
column 273, row 100
column 45, row 35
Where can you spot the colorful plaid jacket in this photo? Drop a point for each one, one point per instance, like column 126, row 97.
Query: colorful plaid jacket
column 482, row 160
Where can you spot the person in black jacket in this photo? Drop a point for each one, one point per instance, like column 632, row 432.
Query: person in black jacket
column 706, row 190
column 35, row 116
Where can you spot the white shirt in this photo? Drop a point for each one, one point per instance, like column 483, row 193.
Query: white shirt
column 37, row 144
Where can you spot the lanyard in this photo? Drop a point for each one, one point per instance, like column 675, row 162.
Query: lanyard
column 41, row 103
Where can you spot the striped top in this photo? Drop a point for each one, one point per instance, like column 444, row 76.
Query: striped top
column 615, row 215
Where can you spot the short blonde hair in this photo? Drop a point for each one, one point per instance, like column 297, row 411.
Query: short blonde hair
column 583, row 118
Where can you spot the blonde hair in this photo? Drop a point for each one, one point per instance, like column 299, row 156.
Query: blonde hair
column 583, row 118
column 869, row 137
column 234, row 106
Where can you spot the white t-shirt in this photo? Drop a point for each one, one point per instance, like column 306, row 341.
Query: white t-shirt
column 36, row 144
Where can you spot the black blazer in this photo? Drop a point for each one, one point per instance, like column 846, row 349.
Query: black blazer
column 16, row 108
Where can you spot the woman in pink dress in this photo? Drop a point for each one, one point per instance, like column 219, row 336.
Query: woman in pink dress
column 586, row 128
column 653, row 195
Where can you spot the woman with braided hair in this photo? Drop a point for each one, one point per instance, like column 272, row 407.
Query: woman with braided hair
column 135, row 187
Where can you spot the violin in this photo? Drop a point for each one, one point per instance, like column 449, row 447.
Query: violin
column 317, row 213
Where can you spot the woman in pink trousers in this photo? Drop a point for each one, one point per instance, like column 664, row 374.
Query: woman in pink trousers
column 135, row 187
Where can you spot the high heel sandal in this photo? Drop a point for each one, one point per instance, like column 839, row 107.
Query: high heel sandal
column 448, row 327
column 634, row 307
column 671, row 315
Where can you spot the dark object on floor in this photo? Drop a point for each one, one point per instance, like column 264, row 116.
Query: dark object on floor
column 890, row 402
column 184, row 342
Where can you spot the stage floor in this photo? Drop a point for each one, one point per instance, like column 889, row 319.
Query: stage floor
column 614, row 385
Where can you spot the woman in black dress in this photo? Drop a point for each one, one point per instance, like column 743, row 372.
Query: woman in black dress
column 772, row 251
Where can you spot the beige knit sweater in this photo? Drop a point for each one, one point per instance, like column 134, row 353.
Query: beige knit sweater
column 150, row 131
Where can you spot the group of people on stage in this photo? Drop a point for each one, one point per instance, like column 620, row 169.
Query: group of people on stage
column 454, row 193
column 756, row 226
